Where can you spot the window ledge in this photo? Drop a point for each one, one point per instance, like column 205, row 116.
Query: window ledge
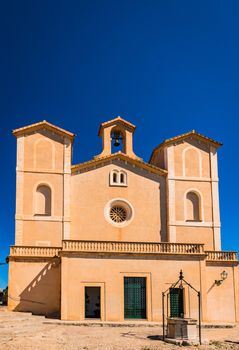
column 193, row 220
column 45, row 215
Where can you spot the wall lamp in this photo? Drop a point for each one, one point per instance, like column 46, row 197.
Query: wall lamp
column 224, row 275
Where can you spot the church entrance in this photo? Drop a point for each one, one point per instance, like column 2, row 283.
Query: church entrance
column 135, row 297
column 92, row 302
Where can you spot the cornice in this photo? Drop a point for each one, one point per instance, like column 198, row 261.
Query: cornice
column 121, row 156
column 193, row 134
column 43, row 125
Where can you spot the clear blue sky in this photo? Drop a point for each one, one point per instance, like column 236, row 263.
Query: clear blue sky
column 166, row 66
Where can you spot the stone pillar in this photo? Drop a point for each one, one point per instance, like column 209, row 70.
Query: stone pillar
column 106, row 142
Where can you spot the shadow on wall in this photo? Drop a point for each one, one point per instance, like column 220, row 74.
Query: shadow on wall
column 42, row 295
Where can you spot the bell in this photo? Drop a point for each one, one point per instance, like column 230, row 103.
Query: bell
column 116, row 143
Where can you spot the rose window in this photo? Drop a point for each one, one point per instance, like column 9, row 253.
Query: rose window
column 118, row 214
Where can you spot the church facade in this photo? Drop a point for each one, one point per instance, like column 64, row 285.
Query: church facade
column 103, row 239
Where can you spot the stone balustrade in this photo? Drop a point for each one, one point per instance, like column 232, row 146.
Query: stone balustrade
column 213, row 255
column 122, row 247
column 132, row 247
column 34, row 251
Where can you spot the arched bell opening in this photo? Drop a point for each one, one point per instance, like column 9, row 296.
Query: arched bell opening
column 117, row 140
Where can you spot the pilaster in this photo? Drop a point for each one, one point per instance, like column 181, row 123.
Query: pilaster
column 64, row 288
column 66, row 191
column 215, row 199
column 203, row 289
column 19, row 191
column 236, row 291
column 171, row 195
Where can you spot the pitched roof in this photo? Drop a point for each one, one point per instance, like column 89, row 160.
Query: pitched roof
column 117, row 120
column 43, row 125
column 137, row 162
column 184, row 136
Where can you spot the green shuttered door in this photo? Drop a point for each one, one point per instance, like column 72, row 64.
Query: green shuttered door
column 134, row 297
column 176, row 302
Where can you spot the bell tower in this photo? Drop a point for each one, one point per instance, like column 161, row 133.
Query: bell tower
column 117, row 136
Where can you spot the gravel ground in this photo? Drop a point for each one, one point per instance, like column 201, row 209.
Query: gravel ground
column 23, row 331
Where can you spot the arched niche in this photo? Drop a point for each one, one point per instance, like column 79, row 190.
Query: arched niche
column 193, row 206
column 43, row 200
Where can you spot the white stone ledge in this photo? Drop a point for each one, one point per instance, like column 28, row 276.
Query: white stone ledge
column 194, row 224
column 39, row 218
column 44, row 171
column 195, row 179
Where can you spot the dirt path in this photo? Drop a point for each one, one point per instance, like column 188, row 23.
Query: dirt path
column 22, row 331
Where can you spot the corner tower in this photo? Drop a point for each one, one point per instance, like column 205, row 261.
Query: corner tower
column 42, row 185
column 192, row 187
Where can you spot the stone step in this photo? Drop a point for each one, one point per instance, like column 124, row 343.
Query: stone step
column 218, row 325
column 4, row 313
column 129, row 324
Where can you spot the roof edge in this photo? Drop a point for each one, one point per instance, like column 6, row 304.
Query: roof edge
column 181, row 137
column 117, row 119
column 122, row 156
column 40, row 125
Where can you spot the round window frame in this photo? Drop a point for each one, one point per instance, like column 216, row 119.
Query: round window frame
column 123, row 203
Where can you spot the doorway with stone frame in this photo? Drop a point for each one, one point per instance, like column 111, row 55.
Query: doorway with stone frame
column 92, row 302
column 135, row 297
